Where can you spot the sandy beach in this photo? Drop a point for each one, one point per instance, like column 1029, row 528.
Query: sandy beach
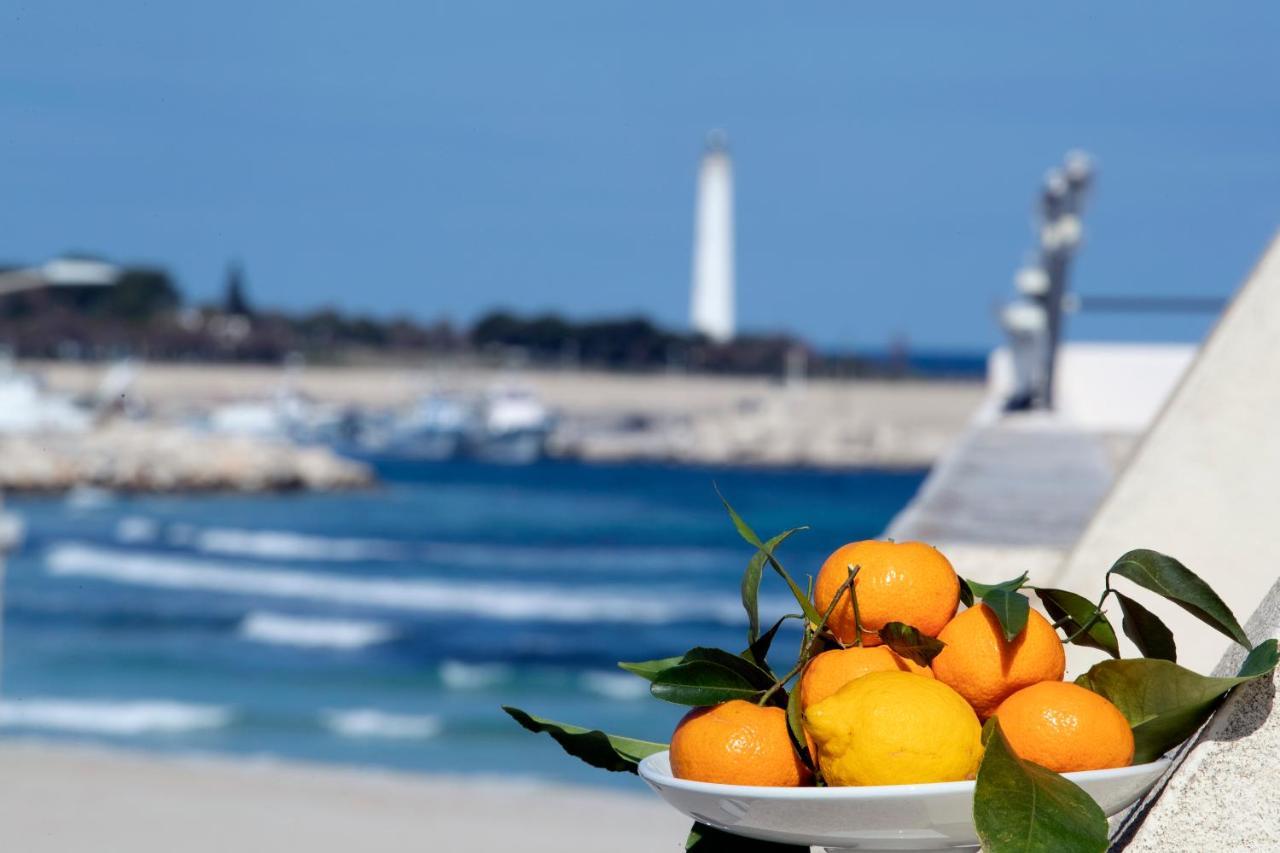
column 60, row 799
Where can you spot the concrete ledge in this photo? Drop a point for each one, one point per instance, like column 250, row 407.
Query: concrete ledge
column 1201, row 485
column 1223, row 791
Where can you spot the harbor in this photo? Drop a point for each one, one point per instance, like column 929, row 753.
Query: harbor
column 589, row 416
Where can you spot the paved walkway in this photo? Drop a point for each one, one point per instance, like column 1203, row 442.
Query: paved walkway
column 1021, row 481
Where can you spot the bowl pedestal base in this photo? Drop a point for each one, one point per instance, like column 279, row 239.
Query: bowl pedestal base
column 965, row 849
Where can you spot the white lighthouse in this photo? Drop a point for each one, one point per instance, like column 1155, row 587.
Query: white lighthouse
column 711, row 308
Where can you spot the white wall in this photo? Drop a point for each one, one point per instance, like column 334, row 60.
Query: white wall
column 1204, row 485
column 1104, row 387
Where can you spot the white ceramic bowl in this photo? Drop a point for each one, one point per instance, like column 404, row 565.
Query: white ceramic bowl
column 888, row 817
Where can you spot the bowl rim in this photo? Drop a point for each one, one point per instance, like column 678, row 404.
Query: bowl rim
column 656, row 770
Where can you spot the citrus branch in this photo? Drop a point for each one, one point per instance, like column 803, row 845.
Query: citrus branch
column 857, row 614
column 1097, row 612
column 807, row 651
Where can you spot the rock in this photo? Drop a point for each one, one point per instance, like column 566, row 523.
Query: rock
column 150, row 457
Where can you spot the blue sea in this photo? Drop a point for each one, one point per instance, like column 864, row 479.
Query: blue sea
column 385, row 628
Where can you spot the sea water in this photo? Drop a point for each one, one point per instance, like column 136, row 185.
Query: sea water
column 385, row 628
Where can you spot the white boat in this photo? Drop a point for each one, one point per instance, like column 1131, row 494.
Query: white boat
column 26, row 406
column 287, row 416
column 436, row 428
column 512, row 428
column 257, row 418
column 507, row 425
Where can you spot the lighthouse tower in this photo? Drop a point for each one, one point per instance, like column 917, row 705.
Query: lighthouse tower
column 711, row 308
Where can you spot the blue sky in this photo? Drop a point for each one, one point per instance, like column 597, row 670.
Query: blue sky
column 442, row 159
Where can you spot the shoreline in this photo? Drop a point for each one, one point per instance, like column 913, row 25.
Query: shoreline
column 147, row 457
column 684, row 419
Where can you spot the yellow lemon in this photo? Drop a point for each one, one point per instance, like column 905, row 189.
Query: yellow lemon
column 895, row 728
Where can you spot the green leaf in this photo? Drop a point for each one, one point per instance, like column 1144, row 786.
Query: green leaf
column 1165, row 703
column 706, row 839
column 753, row 674
column 1158, row 735
column 1261, row 660
column 751, row 583
column 1011, row 609
column 608, row 752
column 1009, row 606
column 758, row 652
column 702, row 682
column 910, row 642
column 1166, row 576
column 1020, row 807
column 981, row 589
column 1152, row 637
column 1073, row 612
column 795, row 727
column 745, row 531
column 649, row 669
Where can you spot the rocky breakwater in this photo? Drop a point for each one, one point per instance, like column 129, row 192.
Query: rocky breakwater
column 131, row 456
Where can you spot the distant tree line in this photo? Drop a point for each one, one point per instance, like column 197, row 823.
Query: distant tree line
column 632, row 343
column 145, row 315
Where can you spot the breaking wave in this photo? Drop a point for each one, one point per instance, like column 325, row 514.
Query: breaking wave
column 504, row 602
column 121, row 718
column 370, row 723
column 283, row 629
column 456, row 675
column 618, row 686
column 137, row 528
column 283, row 545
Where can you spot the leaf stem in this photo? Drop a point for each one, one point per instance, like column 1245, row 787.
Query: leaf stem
column 807, row 634
column 806, row 651
column 777, row 685
column 1097, row 612
column 857, row 614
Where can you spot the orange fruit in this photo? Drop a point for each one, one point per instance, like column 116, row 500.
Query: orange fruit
column 830, row 671
column 736, row 743
column 907, row 582
column 985, row 668
column 1065, row 727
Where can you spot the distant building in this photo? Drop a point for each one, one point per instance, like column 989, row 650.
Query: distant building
column 712, row 299
column 67, row 271
column 87, row 287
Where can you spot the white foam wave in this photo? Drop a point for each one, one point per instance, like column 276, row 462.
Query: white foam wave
column 287, row 545
column 306, row 632
column 283, row 545
column 456, row 675
column 137, row 528
column 371, row 723
column 509, row 602
column 614, row 685
column 122, row 718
